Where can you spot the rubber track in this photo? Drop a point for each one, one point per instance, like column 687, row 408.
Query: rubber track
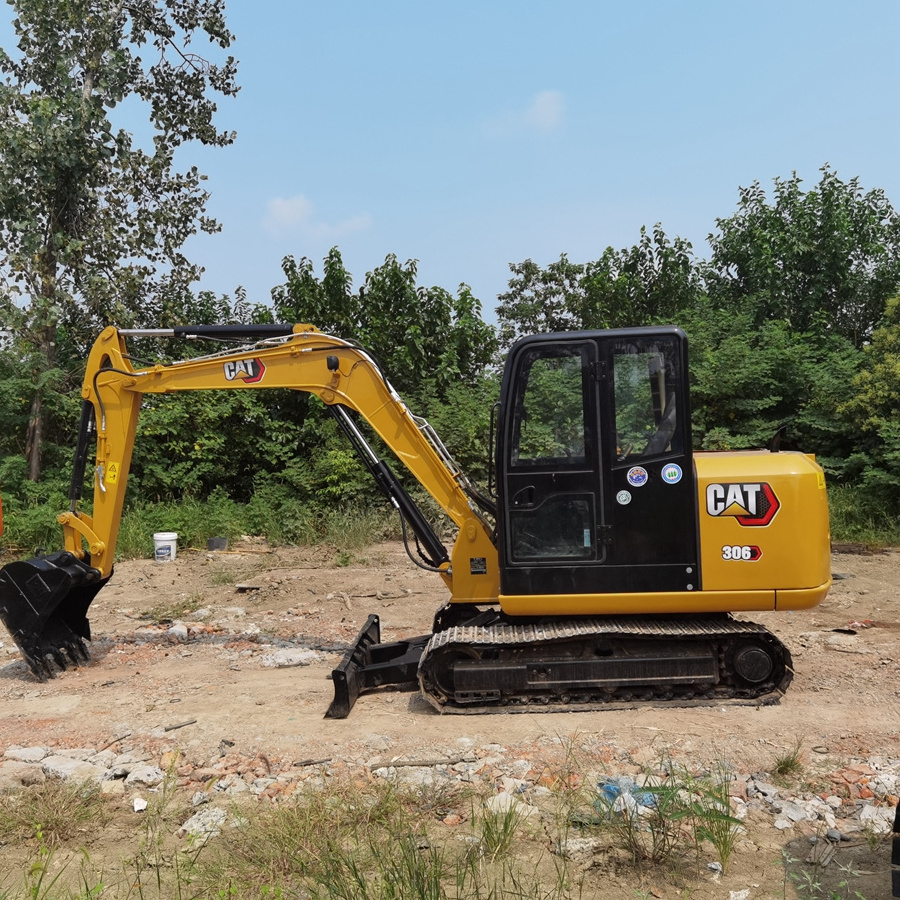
column 506, row 638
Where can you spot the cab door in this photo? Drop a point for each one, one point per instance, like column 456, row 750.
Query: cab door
column 652, row 497
column 549, row 464
column 595, row 475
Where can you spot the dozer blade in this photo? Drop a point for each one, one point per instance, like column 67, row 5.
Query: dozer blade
column 370, row 664
column 44, row 603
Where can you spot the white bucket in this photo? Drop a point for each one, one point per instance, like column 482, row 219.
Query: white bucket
column 166, row 545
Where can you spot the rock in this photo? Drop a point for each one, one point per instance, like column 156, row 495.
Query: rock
column 139, row 804
column 377, row 742
column 579, row 850
column 179, row 632
column 82, row 753
column 879, row 818
column 502, row 803
column 207, row 822
column 72, row 769
column 129, row 760
column 15, row 775
column 769, row 791
column 232, row 784
column 415, row 776
column 104, row 759
column 513, row 785
column 793, row 811
column 145, row 776
column 114, row 788
column 846, row 643
column 26, row 754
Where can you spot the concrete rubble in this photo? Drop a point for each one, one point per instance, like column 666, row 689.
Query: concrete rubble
column 858, row 797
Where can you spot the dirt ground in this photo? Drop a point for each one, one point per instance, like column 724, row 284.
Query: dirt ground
column 182, row 652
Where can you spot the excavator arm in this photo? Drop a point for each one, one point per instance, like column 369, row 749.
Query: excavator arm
column 44, row 601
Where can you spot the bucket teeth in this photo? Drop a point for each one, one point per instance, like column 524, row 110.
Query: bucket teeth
column 55, row 649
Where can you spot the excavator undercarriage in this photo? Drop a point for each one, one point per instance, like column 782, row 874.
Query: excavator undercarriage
column 497, row 662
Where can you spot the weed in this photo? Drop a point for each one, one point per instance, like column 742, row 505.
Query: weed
column 648, row 827
column 343, row 558
column 874, row 839
column 497, row 830
column 870, row 520
column 156, row 854
column 227, row 575
column 43, row 877
column 712, row 817
column 305, row 840
column 789, row 765
column 662, row 823
column 168, row 612
column 808, row 881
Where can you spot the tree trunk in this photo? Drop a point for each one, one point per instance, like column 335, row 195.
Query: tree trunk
column 34, row 438
column 34, row 435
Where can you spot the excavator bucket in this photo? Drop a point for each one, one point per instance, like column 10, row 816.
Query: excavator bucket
column 44, row 603
column 370, row 664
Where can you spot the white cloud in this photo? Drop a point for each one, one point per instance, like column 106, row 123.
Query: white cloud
column 285, row 215
column 545, row 113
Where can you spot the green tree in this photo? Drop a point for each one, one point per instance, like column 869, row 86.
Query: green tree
column 646, row 283
column 91, row 224
column 871, row 411
column 540, row 300
column 649, row 282
column 432, row 346
column 747, row 381
column 827, row 258
column 425, row 339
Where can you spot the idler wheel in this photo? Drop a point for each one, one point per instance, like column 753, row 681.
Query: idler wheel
column 753, row 663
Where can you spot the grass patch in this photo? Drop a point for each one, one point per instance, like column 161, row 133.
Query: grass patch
column 862, row 517
column 169, row 612
column 57, row 811
column 498, row 829
column 348, row 530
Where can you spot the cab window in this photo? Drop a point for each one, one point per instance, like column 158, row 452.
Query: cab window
column 646, row 399
column 549, row 417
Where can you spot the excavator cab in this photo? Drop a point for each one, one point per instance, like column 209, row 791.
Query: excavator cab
column 596, row 485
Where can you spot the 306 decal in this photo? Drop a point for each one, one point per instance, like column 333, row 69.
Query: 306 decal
column 752, row 504
column 743, row 553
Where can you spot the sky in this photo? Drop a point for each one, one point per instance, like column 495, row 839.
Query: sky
column 471, row 135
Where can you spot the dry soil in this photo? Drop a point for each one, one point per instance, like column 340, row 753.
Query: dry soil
column 148, row 687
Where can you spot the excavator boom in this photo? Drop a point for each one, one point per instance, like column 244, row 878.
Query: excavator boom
column 44, row 601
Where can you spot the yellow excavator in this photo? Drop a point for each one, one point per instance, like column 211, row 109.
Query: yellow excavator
column 602, row 570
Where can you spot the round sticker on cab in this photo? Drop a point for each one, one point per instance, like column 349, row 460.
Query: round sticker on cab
column 671, row 473
column 637, row 476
